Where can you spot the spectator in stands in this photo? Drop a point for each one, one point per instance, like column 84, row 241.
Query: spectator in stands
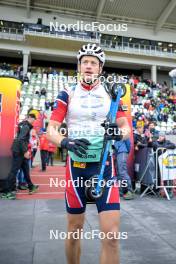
column 20, row 157
column 20, row 72
column 43, row 149
column 173, row 97
column 146, row 123
column 52, row 105
column 39, row 71
column 37, row 92
column 122, row 149
column 26, row 79
column 140, row 121
column 174, row 130
column 134, row 122
column 47, row 105
column 43, row 92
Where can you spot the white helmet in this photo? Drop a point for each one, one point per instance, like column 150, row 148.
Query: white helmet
column 91, row 50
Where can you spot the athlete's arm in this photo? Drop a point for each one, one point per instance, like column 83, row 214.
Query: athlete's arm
column 123, row 125
column 57, row 118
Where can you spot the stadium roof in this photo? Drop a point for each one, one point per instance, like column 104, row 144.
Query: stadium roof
column 157, row 14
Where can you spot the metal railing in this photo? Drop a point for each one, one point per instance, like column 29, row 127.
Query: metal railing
column 11, row 33
column 137, row 48
column 156, row 170
column 62, row 35
column 166, row 169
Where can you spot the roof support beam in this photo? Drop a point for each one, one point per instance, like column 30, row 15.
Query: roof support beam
column 28, row 10
column 164, row 15
column 100, row 7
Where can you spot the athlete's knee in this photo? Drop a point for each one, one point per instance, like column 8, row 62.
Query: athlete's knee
column 110, row 235
column 110, row 239
column 75, row 223
column 74, row 233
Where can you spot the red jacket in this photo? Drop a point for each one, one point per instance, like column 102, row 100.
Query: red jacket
column 43, row 142
column 52, row 147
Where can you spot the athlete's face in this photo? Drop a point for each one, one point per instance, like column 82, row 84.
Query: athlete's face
column 89, row 68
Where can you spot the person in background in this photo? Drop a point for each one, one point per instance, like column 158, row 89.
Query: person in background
column 26, row 79
column 140, row 140
column 122, row 149
column 34, row 141
column 140, row 121
column 43, row 149
column 151, row 133
column 20, row 159
column 43, row 92
column 51, row 150
column 21, row 182
column 162, row 142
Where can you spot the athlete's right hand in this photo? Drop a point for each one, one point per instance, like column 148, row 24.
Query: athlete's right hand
column 77, row 146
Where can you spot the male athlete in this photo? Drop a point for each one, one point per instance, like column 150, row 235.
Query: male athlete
column 85, row 106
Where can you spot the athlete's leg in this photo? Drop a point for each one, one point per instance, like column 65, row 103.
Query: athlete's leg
column 75, row 205
column 109, row 225
column 72, row 245
column 109, row 217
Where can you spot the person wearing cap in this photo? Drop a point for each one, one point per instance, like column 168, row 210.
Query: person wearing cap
column 20, row 159
column 85, row 106
column 162, row 142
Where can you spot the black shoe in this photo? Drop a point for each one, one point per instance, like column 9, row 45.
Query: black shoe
column 23, row 187
column 33, row 189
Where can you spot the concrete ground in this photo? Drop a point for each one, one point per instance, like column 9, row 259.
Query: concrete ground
column 26, row 226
